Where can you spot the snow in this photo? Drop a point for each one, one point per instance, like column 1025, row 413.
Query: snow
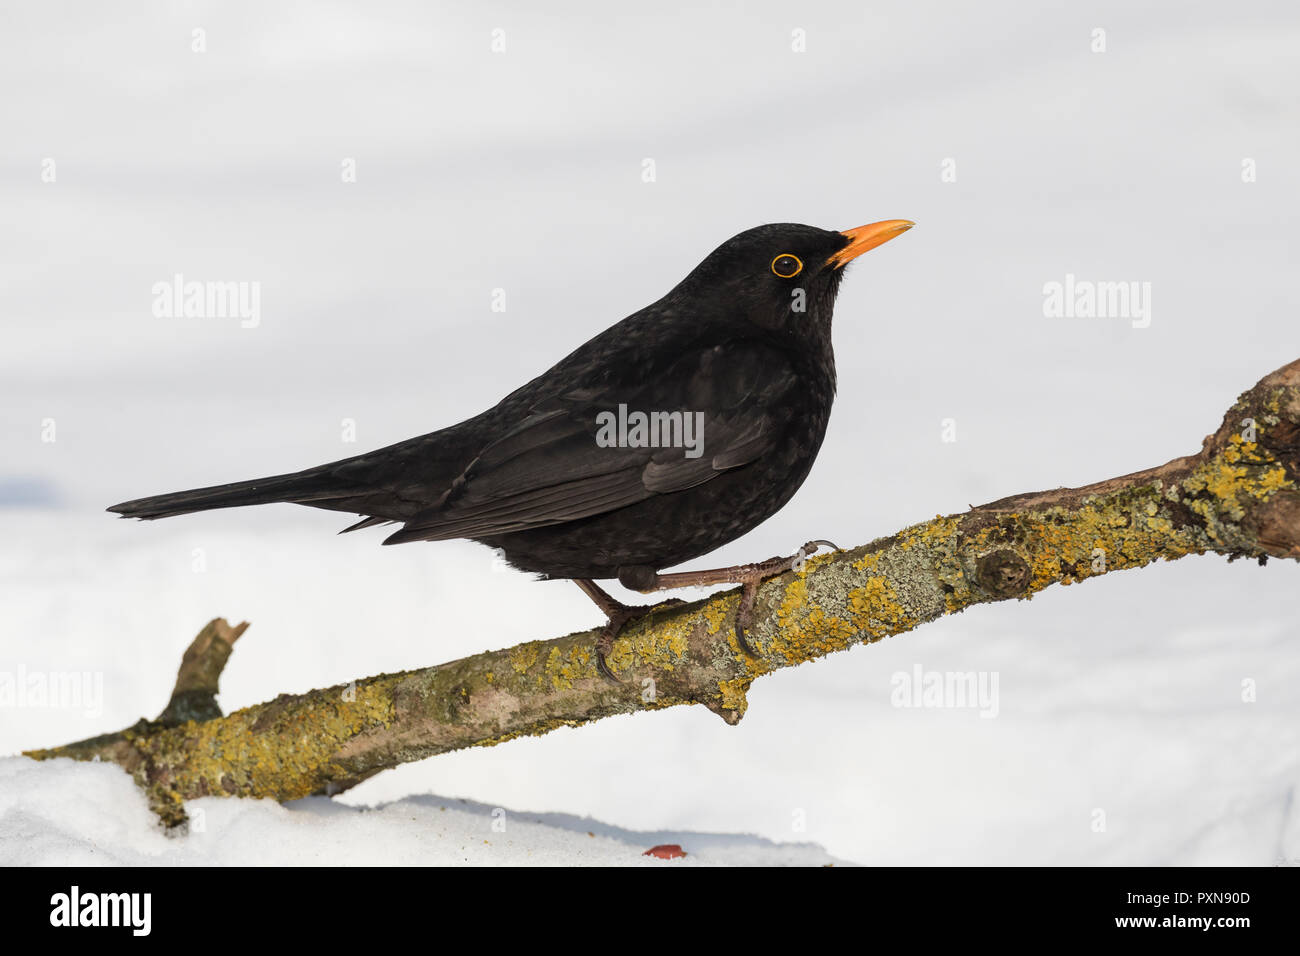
column 88, row 814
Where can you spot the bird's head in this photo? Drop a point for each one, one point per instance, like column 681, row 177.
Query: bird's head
column 782, row 276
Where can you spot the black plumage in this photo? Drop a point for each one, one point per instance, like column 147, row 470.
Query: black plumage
column 742, row 344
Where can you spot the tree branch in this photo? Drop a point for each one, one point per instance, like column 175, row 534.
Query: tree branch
column 1238, row 496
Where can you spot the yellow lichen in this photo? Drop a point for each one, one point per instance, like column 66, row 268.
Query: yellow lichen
column 931, row 533
column 715, row 614
column 867, row 561
column 733, row 694
column 1274, row 479
column 288, row 758
column 653, row 642
column 523, row 657
column 876, row 609
column 806, row 631
column 1228, row 476
column 559, row 670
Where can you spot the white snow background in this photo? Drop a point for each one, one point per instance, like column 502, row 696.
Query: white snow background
column 1120, row 700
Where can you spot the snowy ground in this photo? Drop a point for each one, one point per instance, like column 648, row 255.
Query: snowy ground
column 92, row 815
column 1147, row 717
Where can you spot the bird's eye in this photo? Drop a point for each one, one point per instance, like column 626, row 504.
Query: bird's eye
column 787, row 266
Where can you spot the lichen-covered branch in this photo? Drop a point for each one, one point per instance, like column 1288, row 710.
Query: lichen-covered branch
column 1239, row 496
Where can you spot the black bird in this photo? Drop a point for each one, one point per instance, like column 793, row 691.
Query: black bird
column 671, row 433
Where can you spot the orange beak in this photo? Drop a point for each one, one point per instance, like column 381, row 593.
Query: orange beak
column 868, row 237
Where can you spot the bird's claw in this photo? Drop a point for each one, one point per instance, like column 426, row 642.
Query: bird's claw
column 809, row 549
column 603, row 646
column 742, row 640
column 760, row 573
column 617, row 621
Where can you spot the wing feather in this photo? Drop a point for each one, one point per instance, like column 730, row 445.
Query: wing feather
column 549, row 469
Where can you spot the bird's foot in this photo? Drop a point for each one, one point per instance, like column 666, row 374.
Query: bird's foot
column 752, row 576
column 619, row 618
column 619, row 615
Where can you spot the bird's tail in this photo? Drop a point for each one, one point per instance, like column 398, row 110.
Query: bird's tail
column 312, row 487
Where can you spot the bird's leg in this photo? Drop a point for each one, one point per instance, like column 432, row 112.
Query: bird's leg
column 645, row 580
column 618, row 613
column 750, row 576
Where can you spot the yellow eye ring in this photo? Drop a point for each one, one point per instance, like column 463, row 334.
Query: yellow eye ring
column 788, row 273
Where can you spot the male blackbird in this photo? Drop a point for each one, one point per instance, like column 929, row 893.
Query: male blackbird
column 669, row 434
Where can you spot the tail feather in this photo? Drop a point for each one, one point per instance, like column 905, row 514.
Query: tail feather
column 368, row 523
column 304, row 487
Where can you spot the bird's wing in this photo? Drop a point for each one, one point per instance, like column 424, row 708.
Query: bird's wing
column 549, row 468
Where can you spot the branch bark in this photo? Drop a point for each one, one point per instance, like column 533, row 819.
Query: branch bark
column 1238, row 496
